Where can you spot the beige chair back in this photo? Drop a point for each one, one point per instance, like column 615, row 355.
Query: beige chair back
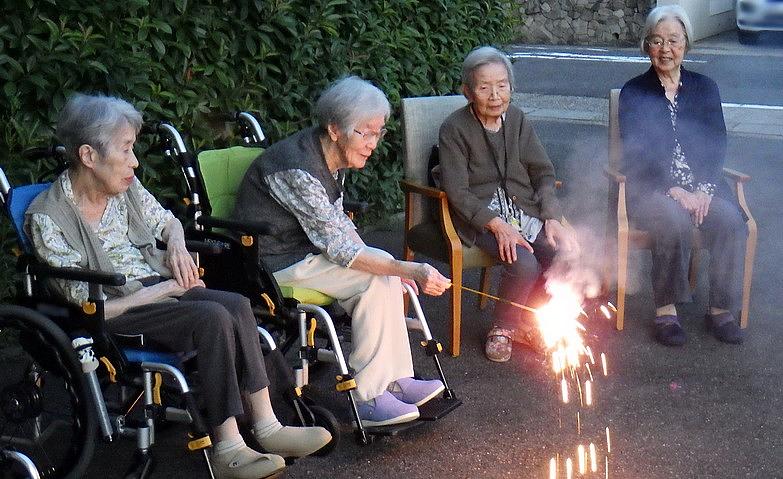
column 421, row 120
column 615, row 142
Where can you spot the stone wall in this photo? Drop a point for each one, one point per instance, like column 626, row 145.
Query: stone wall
column 583, row 22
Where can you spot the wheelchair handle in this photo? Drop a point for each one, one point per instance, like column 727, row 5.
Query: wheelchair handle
column 41, row 152
column 77, row 274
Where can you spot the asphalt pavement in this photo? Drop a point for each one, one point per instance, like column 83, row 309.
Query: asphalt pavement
column 705, row 410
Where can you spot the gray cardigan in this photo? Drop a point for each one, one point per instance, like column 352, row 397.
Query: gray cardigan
column 470, row 176
column 55, row 204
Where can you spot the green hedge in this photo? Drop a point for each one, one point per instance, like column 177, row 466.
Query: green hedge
column 182, row 60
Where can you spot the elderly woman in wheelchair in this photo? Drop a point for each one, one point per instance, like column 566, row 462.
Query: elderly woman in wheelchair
column 297, row 186
column 97, row 215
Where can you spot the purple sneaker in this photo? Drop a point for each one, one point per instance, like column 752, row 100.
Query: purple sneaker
column 416, row 391
column 385, row 410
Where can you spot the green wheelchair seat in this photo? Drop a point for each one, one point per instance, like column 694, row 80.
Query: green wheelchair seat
column 222, row 172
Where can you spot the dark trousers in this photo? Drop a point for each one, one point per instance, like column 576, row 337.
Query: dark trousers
column 520, row 281
column 723, row 233
column 220, row 326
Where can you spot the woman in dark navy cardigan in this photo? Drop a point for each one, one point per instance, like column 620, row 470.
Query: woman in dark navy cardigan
column 674, row 145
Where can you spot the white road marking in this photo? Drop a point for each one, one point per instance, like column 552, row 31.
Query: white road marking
column 588, row 57
column 752, row 106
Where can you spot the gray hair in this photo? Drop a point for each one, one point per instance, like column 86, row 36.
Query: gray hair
column 481, row 56
column 93, row 120
column 349, row 101
column 666, row 12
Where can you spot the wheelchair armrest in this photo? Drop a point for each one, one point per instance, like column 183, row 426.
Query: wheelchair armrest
column 736, row 176
column 78, row 274
column 242, row 227
column 357, row 207
column 614, row 175
column 195, row 246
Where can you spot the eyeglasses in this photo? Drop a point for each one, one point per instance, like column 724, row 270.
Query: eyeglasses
column 658, row 42
column 486, row 91
column 371, row 135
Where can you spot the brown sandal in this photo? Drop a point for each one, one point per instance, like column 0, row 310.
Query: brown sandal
column 497, row 348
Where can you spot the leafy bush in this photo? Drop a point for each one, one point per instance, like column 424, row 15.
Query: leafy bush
column 183, row 60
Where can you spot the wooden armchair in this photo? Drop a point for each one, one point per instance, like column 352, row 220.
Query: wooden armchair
column 428, row 226
column 621, row 235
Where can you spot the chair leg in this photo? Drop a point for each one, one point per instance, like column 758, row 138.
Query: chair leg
column 622, row 278
column 750, row 254
column 486, row 276
column 456, row 309
column 693, row 268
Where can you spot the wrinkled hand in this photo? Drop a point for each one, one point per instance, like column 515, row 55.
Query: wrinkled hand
column 431, row 281
column 172, row 289
column 410, row 283
column 561, row 238
column 181, row 264
column 507, row 238
column 703, row 201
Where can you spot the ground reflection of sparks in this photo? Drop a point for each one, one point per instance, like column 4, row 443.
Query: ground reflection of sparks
column 563, row 334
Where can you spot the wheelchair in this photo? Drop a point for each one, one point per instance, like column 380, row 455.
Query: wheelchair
column 53, row 403
column 212, row 178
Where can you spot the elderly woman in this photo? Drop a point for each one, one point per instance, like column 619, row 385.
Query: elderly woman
column 501, row 189
column 98, row 216
column 674, row 143
column 297, row 186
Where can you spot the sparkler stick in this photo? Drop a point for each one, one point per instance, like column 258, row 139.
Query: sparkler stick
column 481, row 293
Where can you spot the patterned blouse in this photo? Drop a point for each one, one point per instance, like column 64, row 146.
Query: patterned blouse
column 680, row 171
column 51, row 246
column 325, row 224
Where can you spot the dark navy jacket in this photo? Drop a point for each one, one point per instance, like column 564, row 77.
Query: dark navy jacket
column 648, row 137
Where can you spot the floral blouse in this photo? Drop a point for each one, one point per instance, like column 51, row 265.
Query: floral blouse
column 325, row 224
column 680, row 171
column 51, row 246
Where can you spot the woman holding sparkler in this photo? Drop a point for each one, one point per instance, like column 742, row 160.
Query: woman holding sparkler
column 674, row 144
column 501, row 188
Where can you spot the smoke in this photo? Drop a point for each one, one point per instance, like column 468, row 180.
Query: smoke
column 580, row 166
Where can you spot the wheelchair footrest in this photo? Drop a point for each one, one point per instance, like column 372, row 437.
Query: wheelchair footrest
column 393, row 429
column 437, row 408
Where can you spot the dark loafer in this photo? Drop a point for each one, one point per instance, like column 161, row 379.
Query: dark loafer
column 725, row 328
column 668, row 331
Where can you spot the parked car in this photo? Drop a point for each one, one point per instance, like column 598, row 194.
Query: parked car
column 756, row 16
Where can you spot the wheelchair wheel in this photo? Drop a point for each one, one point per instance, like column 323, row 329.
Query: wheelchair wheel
column 326, row 419
column 44, row 401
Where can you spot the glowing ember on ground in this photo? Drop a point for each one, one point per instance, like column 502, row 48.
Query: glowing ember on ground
column 562, row 323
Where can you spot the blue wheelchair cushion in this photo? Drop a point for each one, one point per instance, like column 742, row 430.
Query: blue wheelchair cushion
column 18, row 201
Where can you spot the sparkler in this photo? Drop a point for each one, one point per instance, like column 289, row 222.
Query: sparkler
column 482, row 293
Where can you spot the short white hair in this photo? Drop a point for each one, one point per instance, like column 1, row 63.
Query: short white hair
column 93, row 120
column 481, row 56
column 666, row 12
column 350, row 101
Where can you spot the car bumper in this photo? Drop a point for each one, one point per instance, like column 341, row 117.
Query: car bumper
column 756, row 16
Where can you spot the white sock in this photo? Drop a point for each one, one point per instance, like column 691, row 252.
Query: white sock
column 266, row 427
column 231, row 444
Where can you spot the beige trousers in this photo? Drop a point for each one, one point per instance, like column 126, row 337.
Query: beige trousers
column 381, row 350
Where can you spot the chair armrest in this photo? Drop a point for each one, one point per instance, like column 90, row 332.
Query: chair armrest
column 204, row 247
column 614, row 175
column 78, row 274
column 735, row 175
column 409, row 187
column 241, row 227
